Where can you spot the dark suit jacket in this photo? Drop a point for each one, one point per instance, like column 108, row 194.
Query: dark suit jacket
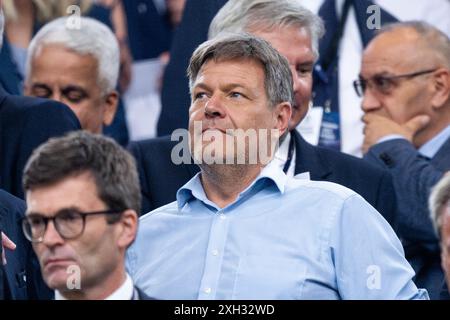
column 414, row 176
column 22, row 277
column 25, row 123
column 160, row 178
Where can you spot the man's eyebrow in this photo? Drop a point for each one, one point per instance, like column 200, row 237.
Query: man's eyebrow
column 201, row 85
column 40, row 85
column 231, row 86
column 71, row 208
column 306, row 63
column 73, row 87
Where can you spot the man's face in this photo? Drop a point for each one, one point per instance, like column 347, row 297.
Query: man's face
column 95, row 252
column 60, row 74
column 295, row 45
column 231, row 95
column 392, row 54
column 445, row 244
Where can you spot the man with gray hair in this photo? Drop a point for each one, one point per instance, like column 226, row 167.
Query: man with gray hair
column 294, row 31
column 246, row 230
column 77, row 65
column 405, row 86
column 439, row 204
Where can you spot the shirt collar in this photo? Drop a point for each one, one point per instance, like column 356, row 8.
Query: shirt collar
column 124, row 292
column 281, row 154
column 271, row 173
column 430, row 148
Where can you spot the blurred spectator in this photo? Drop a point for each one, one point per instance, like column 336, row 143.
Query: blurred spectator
column 24, row 18
column 150, row 36
column 175, row 10
column 78, row 67
column 439, row 204
column 405, row 86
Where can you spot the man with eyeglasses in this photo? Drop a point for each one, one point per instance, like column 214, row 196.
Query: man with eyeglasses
column 82, row 193
column 405, row 85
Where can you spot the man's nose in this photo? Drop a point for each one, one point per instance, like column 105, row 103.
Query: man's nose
column 214, row 107
column 370, row 101
column 51, row 236
column 56, row 95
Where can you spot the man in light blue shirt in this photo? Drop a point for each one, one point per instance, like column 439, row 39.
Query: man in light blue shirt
column 405, row 85
column 244, row 230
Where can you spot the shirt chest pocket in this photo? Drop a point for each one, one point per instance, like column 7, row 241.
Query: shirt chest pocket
column 269, row 278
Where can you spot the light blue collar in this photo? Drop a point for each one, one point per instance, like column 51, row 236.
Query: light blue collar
column 271, row 173
column 430, row 148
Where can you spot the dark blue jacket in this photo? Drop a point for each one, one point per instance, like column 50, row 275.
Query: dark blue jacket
column 414, row 176
column 25, row 123
column 21, row 275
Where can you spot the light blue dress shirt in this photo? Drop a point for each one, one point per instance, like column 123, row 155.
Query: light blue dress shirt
column 283, row 238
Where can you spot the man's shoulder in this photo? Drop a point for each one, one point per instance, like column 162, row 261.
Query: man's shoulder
column 160, row 144
column 168, row 209
column 37, row 109
column 346, row 161
column 11, row 204
column 337, row 162
column 323, row 189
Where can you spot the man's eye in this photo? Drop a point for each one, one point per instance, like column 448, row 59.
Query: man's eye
column 75, row 96
column 42, row 92
column 36, row 221
column 383, row 84
column 200, row 95
column 69, row 216
column 235, row 94
column 304, row 71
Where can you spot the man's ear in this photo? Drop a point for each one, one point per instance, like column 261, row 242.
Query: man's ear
column 283, row 112
column 110, row 107
column 440, row 88
column 128, row 228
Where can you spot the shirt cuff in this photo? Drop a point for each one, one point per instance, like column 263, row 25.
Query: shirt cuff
column 390, row 137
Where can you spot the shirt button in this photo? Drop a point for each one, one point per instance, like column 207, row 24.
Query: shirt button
column 222, row 216
column 215, row 252
column 207, row 290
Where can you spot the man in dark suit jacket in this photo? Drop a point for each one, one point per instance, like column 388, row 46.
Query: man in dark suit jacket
column 405, row 84
column 21, row 278
column 160, row 178
column 25, row 123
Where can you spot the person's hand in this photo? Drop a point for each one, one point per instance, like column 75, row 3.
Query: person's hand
column 377, row 127
column 6, row 244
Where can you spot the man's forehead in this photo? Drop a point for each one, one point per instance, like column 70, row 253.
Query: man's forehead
column 399, row 48
column 293, row 42
column 240, row 68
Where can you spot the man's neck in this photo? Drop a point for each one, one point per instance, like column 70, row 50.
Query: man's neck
column 224, row 183
column 432, row 130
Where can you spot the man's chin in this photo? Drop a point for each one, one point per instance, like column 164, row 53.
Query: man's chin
column 57, row 280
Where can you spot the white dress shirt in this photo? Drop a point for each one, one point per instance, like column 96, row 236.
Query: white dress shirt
column 281, row 156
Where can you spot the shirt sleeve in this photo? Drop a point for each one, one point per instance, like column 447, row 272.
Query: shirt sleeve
column 368, row 256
